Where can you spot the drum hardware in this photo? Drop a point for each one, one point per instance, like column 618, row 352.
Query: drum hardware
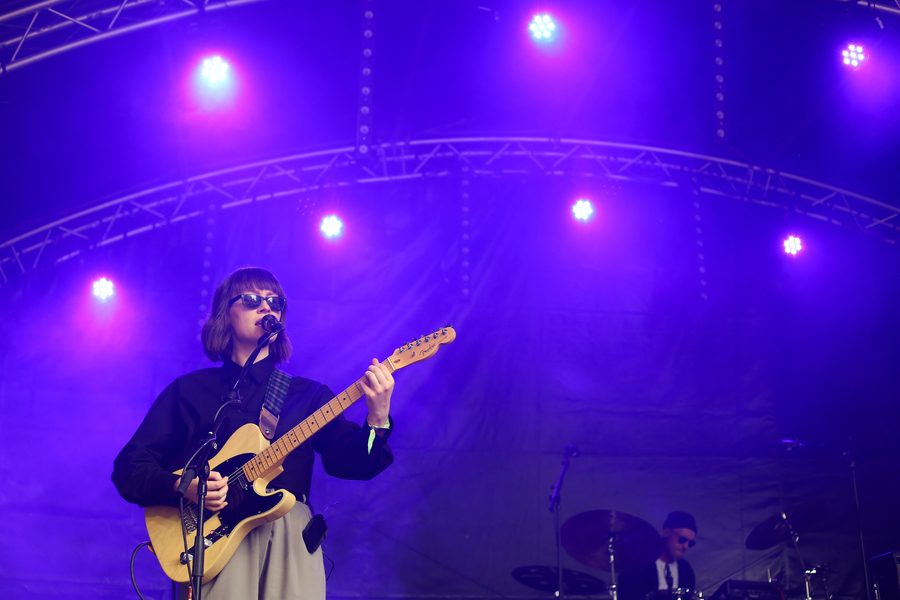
column 609, row 540
column 821, row 569
column 546, row 579
column 717, row 585
column 787, row 525
column 675, row 594
column 737, row 589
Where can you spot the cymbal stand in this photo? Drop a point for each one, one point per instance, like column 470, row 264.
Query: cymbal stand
column 613, row 588
column 795, row 537
column 812, row 571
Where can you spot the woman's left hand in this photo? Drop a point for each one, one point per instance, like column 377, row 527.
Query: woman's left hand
column 378, row 384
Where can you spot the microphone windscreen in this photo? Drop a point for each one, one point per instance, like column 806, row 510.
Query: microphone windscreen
column 271, row 324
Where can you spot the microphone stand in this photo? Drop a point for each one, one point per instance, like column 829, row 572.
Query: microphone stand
column 569, row 453
column 862, row 542
column 198, row 467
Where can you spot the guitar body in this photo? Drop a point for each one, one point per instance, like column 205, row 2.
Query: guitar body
column 249, row 506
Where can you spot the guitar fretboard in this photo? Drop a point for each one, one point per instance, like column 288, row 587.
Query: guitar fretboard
column 272, row 457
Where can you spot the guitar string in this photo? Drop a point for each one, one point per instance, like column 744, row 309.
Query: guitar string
column 240, row 477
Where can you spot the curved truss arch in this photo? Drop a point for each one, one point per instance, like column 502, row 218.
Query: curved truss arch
column 287, row 176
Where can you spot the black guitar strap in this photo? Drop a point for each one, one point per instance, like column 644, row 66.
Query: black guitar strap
column 279, row 382
column 276, row 391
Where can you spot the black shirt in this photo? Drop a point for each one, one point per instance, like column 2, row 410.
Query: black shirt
column 183, row 414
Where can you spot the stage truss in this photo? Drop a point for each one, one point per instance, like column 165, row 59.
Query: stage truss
column 42, row 29
column 284, row 178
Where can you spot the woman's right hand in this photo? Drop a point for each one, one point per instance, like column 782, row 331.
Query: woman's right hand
column 216, row 491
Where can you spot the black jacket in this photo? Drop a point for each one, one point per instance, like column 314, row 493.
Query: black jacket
column 636, row 585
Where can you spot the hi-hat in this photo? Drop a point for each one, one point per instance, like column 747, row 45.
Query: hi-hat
column 635, row 542
column 801, row 517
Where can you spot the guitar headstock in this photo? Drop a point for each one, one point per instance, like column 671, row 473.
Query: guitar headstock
column 420, row 349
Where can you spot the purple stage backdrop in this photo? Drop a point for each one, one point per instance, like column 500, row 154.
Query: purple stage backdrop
column 676, row 391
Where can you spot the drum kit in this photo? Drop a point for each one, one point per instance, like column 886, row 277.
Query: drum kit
column 617, row 542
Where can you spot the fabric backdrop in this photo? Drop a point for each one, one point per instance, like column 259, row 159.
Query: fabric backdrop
column 670, row 339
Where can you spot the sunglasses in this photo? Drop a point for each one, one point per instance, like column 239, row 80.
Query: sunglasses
column 276, row 303
column 684, row 540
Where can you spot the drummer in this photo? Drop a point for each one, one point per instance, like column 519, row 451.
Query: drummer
column 670, row 571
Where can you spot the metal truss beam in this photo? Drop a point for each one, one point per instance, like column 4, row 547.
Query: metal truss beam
column 879, row 6
column 290, row 176
column 47, row 28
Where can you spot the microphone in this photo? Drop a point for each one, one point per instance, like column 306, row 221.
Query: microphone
column 572, row 451
column 271, row 324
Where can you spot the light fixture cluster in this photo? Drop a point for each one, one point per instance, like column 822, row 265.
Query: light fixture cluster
column 542, row 27
column 854, row 56
column 214, row 69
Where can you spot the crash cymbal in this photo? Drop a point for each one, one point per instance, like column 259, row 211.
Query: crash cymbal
column 586, row 538
column 802, row 517
column 546, row 579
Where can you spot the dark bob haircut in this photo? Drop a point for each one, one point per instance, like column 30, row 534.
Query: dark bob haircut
column 217, row 333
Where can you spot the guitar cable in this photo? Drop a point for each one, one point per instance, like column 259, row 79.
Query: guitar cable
column 133, row 580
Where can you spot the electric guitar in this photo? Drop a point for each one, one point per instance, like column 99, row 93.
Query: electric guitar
column 251, row 463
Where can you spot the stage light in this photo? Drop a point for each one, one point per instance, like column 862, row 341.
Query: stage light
column 542, row 27
column 331, row 226
column 792, row 245
column 214, row 69
column 583, row 210
column 103, row 288
column 854, row 56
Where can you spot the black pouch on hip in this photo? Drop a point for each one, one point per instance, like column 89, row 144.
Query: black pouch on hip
column 314, row 533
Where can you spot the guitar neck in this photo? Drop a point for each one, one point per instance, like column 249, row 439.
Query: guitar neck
column 271, row 458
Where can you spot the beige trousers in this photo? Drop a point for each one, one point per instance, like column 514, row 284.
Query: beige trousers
column 271, row 563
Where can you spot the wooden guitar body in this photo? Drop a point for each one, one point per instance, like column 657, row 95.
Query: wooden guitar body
column 249, row 505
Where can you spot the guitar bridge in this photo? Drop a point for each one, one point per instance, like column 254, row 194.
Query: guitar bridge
column 189, row 522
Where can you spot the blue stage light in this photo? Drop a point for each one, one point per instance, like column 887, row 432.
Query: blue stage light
column 583, row 210
column 215, row 69
column 854, row 56
column 103, row 288
column 542, row 27
column 331, row 226
column 792, row 245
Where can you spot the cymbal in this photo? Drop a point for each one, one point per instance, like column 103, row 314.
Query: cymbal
column 775, row 530
column 546, row 579
column 586, row 538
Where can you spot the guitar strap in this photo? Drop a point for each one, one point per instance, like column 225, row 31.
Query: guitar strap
column 276, row 391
